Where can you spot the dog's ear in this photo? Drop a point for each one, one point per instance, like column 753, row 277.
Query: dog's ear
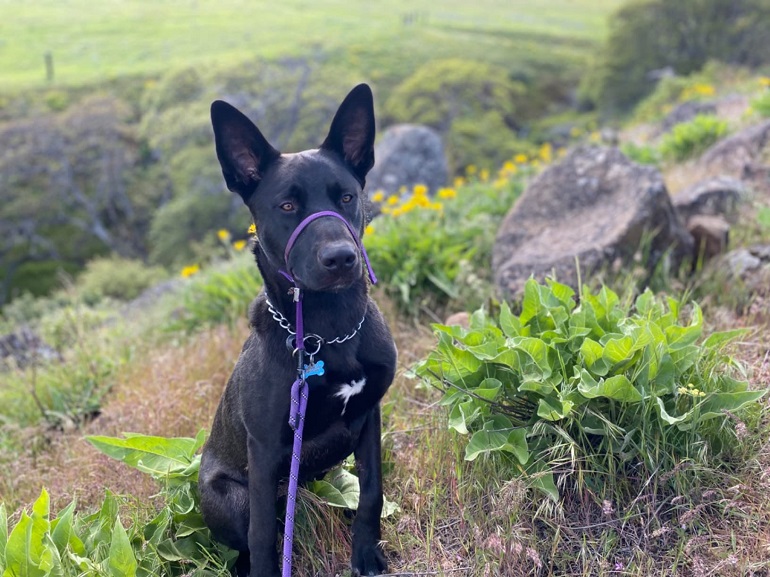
column 352, row 132
column 243, row 152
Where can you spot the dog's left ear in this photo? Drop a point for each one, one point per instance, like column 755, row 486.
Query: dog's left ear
column 352, row 132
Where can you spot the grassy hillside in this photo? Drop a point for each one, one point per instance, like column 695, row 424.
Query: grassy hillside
column 97, row 41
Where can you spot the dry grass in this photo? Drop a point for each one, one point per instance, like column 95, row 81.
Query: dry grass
column 456, row 518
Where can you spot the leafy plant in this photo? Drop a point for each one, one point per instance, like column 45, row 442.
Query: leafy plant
column 689, row 139
column 221, row 295
column 643, row 154
column 422, row 248
column 594, row 389
column 761, row 104
column 118, row 278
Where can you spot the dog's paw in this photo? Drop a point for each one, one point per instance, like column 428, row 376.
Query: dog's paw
column 368, row 560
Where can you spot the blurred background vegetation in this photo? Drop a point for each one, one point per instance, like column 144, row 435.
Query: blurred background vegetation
column 104, row 108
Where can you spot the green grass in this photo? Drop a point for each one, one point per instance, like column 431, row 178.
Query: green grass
column 92, row 42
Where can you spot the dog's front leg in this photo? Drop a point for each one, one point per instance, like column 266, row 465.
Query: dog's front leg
column 263, row 525
column 367, row 555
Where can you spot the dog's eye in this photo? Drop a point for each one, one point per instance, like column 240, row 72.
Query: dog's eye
column 346, row 198
column 287, row 206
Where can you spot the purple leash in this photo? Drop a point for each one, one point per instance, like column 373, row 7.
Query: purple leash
column 299, row 390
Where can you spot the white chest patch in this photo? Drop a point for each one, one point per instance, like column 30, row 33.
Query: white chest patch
column 349, row 390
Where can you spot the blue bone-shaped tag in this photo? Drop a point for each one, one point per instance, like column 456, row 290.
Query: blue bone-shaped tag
column 314, row 369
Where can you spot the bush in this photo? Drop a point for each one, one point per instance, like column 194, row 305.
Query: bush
column 649, row 35
column 689, row 139
column 594, row 390
column 432, row 252
column 220, row 295
column 119, row 278
column 469, row 102
column 761, row 104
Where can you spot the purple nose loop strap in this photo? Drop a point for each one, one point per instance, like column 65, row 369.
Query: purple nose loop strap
column 315, row 216
column 299, row 389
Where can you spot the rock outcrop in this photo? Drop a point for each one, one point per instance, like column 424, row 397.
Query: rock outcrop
column 594, row 207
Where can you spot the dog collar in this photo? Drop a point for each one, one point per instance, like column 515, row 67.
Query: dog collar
column 286, row 325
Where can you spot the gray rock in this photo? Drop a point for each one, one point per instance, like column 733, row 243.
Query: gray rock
column 23, row 347
column 710, row 234
column 740, row 155
column 406, row 155
column 718, row 196
column 595, row 206
column 686, row 112
column 751, row 267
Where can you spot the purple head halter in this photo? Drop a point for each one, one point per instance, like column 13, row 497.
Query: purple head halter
column 299, row 389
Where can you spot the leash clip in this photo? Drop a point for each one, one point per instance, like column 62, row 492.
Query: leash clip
column 294, row 291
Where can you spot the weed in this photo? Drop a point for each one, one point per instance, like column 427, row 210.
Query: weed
column 689, row 139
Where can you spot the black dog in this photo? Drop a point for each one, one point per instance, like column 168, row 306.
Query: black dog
column 249, row 450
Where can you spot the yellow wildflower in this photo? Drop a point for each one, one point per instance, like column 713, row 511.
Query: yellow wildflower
column 252, row 229
column 369, row 229
column 223, row 234
column 435, row 206
column 239, row 245
column 420, row 190
column 509, row 166
column 386, row 210
column 447, row 193
column 765, row 81
column 471, row 169
column 546, row 152
column 190, row 270
column 392, row 199
column 575, row 131
column 378, row 196
column 520, row 159
column 484, row 175
column 459, row 181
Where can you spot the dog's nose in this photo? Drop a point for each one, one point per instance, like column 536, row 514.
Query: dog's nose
column 338, row 257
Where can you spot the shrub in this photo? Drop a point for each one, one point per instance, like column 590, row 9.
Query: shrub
column 641, row 153
column 595, row 390
column 430, row 252
column 689, row 139
column 761, row 104
column 469, row 102
column 219, row 295
column 649, row 35
column 119, row 278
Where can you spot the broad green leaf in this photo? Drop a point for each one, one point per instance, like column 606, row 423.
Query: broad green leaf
column 509, row 323
column 121, row 562
column 715, row 404
column 463, row 415
column 645, row 302
column 24, row 550
column 719, row 339
column 618, row 388
column 63, row 534
column 531, row 303
column 159, row 457
column 562, row 292
column 537, row 351
column 497, row 435
column 489, row 389
column 544, row 483
column 540, row 386
column 339, row 488
column 671, row 420
column 679, row 337
column 591, row 351
column 684, row 358
column 618, row 350
column 552, row 409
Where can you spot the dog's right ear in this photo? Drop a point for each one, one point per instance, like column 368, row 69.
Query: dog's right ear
column 243, row 152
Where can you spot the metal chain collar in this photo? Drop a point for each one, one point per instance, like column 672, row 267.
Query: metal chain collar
column 286, row 325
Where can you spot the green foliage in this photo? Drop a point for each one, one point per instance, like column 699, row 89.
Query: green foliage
column 649, row 35
column 688, row 139
column 642, row 153
column 173, row 540
column 595, row 389
column 220, row 295
column 118, row 278
column 174, row 88
column 428, row 258
column 761, row 104
column 469, row 102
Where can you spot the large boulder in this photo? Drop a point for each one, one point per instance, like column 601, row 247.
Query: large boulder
column 406, row 155
column 595, row 206
column 717, row 196
column 742, row 155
